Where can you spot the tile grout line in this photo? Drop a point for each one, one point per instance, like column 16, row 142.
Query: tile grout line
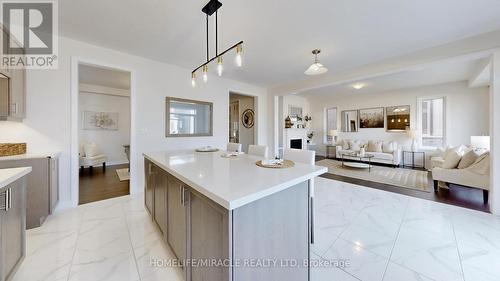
column 76, row 242
column 397, row 236
column 130, row 240
column 456, row 244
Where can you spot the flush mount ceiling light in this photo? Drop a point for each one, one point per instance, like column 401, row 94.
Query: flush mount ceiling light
column 209, row 9
column 358, row 86
column 316, row 68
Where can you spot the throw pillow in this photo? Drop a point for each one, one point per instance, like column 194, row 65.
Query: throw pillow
column 388, row 147
column 468, row 159
column 374, row 146
column 91, row 150
column 459, row 149
column 452, row 159
column 345, row 144
column 354, row 145
column 482, row 165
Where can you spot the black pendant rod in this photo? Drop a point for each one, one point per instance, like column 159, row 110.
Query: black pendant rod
column 212, row 59
column 208, row 55
column 216, row 35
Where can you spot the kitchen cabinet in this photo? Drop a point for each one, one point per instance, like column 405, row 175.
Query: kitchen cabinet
column 177, row 198
column 53, row 183
column 149, row 182
column 187, row 220
column 13, row 99
column 42, row 191
column 12, row 227
column 201, row 229
column 208, row 222
column 160, row 199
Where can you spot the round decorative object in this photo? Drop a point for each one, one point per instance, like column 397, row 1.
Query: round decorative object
column 285, row 164
column 248, row 118
column 207, row 149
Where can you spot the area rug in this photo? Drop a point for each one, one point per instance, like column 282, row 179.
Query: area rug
column 412, row 179
column 123, row 174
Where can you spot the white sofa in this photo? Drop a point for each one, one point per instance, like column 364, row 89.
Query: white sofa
column 477, row 175
column 385, row 155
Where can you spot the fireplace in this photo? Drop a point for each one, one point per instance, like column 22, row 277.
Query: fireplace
column 296, row 143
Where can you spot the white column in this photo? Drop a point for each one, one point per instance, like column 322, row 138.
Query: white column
column 495, row 133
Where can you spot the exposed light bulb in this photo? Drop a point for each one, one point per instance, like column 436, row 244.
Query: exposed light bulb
column 205, row 73
column 220, row 68
column 239, row 58
column 193, row 79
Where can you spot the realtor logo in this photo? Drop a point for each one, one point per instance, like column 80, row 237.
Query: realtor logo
column 29, row 37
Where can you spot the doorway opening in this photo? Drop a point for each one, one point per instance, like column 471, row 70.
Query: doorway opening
column 242, row 120
column 104, row 121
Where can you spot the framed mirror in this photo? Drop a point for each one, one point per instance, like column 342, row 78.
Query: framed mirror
column 398, row 118
column 188, row 118
column 350, row 121
column 295, row 113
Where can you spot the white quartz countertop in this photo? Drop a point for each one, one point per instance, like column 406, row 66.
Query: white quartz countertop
column 8, row 176
column 231, row 182
column 31, row 156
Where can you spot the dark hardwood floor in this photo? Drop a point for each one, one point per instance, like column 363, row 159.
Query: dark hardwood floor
column 456, row 195
column 99, row 185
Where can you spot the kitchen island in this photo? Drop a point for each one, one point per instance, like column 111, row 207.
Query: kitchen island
column 227, row 219
column 12, row 220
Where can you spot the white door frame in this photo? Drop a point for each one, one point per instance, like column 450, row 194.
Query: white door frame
column 74, row 149
column 256, row 111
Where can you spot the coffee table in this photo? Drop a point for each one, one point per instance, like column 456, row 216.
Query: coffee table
column 358, row 165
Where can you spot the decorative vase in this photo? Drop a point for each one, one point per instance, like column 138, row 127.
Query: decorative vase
column 362, row 151
column 288, row 122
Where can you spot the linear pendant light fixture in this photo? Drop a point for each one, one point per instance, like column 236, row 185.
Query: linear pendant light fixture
column 209, row 9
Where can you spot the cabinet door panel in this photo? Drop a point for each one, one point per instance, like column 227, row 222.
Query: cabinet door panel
column 18, row 93
column 38, row 194
column 176, row 218
column 208, row 223
column 148, row 186
column 160, row 198
column 54, row 183
column 13, row 229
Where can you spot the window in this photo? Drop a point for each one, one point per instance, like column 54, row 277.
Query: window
column 432, row 121
column 331, row 122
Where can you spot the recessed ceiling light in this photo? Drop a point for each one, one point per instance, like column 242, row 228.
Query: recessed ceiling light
column 358, row 86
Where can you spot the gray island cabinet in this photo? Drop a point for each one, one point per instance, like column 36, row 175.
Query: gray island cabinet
column 230, row 220
column 12, row 220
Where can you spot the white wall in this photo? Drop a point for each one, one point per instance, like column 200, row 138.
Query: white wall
column 109, row 142
column 48, row 122
column 466, row 112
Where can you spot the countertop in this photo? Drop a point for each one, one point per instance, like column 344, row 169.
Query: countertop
column 31, row 156
column 231, row 182
column 8, row 176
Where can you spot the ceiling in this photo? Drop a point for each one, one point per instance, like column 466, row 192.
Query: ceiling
column 438, row 73
column 280, row 34
column 103, row 77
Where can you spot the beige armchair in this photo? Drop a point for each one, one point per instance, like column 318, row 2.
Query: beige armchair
column 477, row 175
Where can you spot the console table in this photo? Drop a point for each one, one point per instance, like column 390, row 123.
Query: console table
column 413, row 165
